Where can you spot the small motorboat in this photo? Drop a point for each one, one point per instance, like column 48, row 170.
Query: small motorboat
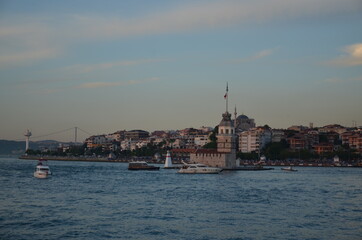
column 199, row 168
column 42, row 169
column 290, row 169
column 141, row 165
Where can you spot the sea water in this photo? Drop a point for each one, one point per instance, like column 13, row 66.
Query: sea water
column 92, row 200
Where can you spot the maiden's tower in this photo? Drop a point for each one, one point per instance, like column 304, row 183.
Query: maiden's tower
column 225, row 154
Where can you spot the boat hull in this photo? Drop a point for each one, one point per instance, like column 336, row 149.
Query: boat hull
column 144, row 168
column 189, row 172
column 41, row 174
column 289, row 170
column 135, row 166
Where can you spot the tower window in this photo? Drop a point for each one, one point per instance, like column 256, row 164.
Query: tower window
column 227, row 131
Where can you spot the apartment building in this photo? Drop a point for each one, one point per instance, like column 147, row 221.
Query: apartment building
column 136, row 134
column 353, row 140
column 254, row 139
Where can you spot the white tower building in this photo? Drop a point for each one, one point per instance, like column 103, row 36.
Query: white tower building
column 27, row 135
column 168, row 161
column 225, row 154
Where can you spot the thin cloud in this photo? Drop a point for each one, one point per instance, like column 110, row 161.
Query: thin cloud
column 27, row 56
column 86, row 68
column 352, row 56
column 209, row 15
column 26, row 42
column 340, row 81
column 60, row 31
column 258, row 55
column 115, row 84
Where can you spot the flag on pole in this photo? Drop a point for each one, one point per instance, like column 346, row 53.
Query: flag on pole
column 227, row 89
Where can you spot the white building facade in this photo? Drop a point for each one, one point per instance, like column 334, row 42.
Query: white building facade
column 254, row 139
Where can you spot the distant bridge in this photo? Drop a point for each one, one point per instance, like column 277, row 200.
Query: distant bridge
column 76, row 130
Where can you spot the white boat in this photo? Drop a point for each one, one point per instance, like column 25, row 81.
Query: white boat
column 42, row 170
column 199, row 168
column 290, row 169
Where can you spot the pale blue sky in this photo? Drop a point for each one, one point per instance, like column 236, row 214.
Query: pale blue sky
column 110, row 65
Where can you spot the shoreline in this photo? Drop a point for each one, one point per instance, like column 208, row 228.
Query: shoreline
column 73, row 159
column 86, row 159
column 242, row 163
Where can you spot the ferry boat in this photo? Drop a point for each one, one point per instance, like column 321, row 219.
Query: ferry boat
column 199, row 168
column 141, row 165
column 42, row 169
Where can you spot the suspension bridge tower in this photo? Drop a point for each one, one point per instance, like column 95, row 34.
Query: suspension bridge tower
column 27, row 135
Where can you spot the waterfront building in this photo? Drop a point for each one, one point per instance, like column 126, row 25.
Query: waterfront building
column 156, row 140
column 119, row 135
column 96, row 141
column 346, row 136
column 330, row 137
column 353, row 140
column 312, row 138
column 113, row 146
column 277, row 135
column 189, row 141
column 178, row 143
column 323, row 148
column 125, row 145
column 136, row 134
column 333, row 128
column 142, row 143
column 297, row 142
column 254, row 139
column 201, row 140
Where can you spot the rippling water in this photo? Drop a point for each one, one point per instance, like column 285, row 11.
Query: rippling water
column 84, row 200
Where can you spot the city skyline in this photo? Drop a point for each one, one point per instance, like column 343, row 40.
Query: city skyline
column 164, row 65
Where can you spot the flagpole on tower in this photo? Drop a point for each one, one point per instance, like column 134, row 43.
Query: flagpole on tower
column 226, row 96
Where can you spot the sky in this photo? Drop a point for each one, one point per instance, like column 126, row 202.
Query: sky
column 105, row 66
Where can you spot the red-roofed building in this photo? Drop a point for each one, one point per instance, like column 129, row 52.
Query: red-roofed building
column 182, row 154
column 353, row 139
column 323, row 148
column 297, row 142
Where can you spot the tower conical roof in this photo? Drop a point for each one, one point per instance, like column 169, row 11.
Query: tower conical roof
column 226, row 120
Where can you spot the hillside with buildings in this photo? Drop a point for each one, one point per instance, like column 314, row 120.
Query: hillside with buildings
column 8, row 147
column 311, row 144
